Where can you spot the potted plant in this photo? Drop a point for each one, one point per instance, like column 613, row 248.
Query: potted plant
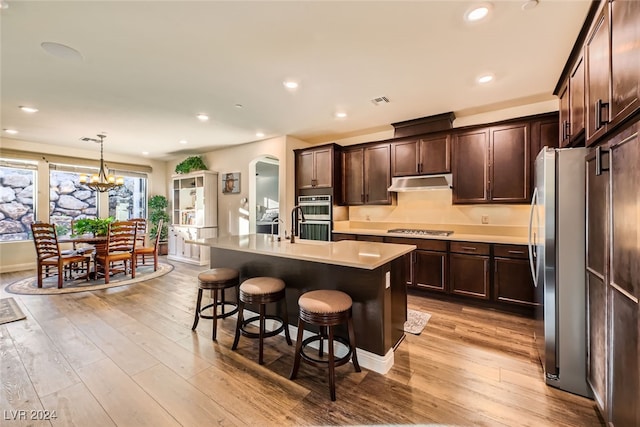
column 158, row 211
column 193, row 163
column 94, row 226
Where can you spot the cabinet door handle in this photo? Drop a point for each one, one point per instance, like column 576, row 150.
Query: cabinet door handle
column 598, row 113
column 567, row 129
column 419, row 167
column 469, row 248
column 516, row 252
column 599, row 167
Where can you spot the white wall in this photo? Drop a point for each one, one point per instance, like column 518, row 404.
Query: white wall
column 231, row 211
column 21, row 255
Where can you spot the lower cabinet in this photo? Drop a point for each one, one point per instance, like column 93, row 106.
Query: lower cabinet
column 495, row 273
column 180, row 250
column 512, row 281
column 469, row 269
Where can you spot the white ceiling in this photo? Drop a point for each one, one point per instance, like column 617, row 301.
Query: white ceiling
column 148, row 68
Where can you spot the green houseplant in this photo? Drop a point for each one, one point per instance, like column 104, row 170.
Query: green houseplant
column 95, row 226
column 193, row 163
column 158, row 211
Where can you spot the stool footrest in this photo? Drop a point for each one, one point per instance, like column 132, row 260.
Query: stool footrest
column 338, row 361
column 266, row 334
column 219, row 304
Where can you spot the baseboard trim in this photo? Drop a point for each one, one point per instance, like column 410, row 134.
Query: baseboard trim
column 17, row 267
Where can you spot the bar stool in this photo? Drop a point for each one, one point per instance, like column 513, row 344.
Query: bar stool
column 261, row 290
column 215, row 279
column 326, row 309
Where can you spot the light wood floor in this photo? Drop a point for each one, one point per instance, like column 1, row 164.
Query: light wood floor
column 126, row 356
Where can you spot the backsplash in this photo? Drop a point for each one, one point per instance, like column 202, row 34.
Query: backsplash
column 435, row 207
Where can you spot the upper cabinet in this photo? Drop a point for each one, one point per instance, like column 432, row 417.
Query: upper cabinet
column 625, row 59
column 471, row 166
column 571, row 96
column 597, row 76
column 612, row 59
column 195, row 200
column 493, row 165
column 314, row 168
column 421, row 156
column 366, row 175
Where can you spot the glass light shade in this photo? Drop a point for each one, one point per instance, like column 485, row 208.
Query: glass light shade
column 119, row 180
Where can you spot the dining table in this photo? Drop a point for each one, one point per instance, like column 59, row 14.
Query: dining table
column 99, row 244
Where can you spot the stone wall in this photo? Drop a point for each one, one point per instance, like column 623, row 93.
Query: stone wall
column 16, row 203
column 69, row 200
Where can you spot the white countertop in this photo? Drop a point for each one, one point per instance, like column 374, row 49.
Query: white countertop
column 466, row 237
column 348, row 253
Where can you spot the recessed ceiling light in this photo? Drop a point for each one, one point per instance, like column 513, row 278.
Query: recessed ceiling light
column 61, row 51
column 529, row 4
column 239, row 106
column 145, row 153
column 202, row 117
column 183, row 141
column 259, row 134
column 485, row 78
column 290, row 84
column 10, row 131
column 28, row 109
column 477, row 12
column 341, row 115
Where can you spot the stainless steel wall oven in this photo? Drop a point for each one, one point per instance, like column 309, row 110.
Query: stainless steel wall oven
column 318, row 216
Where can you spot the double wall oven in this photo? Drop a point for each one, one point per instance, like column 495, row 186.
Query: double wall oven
column 317, row 217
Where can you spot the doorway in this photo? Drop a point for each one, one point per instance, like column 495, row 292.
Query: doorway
column 264, row 196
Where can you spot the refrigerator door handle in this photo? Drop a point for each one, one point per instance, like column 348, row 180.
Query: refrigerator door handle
column 532, row 254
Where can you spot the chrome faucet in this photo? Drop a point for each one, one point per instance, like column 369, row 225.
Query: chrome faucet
column 294, row 221
column 274, row 222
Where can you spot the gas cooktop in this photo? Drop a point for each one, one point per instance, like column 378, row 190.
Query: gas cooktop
column 421, row 232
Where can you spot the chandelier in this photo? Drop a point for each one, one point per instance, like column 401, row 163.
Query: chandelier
column 101, row 181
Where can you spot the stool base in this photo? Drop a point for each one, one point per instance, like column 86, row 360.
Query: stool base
column 216, row 303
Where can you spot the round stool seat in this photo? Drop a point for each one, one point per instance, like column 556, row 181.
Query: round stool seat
column 262, row 285
column 216, row 277
column 325, row 301
column 261, row 291
column 216, row 280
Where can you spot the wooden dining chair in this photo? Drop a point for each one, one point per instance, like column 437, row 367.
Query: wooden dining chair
column 121, row 241
column 141, row 231
column 143, row 251
column 49, row 255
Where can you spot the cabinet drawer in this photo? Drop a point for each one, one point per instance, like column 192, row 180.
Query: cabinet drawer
column 424, row 244
column 470, row 248
column 510, row 251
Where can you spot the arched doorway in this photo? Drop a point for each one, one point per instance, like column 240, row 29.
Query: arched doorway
column 264, row 195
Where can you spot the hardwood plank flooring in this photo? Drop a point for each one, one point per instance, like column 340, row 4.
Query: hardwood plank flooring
column 126, row 356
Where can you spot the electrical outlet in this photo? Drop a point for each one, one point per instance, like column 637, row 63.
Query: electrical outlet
column 485, row 219
column 387, row 279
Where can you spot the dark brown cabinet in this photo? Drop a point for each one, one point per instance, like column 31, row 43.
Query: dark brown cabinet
column 613, row 276
column 625, row 59
column 597, row 76
column 512, row 282
column 366, row 175
column 315, row 167
column 493, row 165
column 597, row 198
column 421, row 156
column 471, row 166
column 469, row 269
column 624, row 279
column 427, row 265
column 571, row 96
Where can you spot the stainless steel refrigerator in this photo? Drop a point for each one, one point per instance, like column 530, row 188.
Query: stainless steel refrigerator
column 557, row 258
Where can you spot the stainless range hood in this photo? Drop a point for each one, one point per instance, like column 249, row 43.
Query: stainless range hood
column 420, row 183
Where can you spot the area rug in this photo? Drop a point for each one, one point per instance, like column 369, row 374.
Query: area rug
column 9, row 311
column 29, row 286
column 416, row 321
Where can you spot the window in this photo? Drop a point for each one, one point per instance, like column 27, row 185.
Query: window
column 130, row 200
column 68, row 199
column 17, row 199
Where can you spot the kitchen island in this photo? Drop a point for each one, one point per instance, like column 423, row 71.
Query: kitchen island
column 371, row 273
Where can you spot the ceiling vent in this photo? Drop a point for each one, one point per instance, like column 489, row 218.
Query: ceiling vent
column 380, row 100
